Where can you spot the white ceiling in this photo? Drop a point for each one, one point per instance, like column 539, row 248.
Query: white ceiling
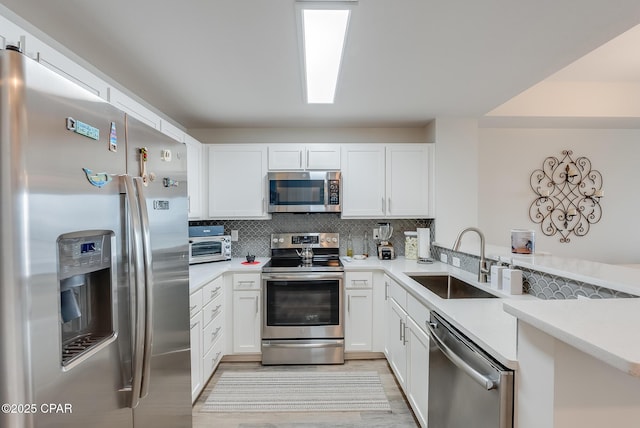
column 235, row 63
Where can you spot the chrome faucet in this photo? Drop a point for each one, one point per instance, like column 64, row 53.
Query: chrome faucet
column 483, row 270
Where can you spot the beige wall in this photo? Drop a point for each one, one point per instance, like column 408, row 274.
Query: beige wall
column 507, row 158
column 456, row 204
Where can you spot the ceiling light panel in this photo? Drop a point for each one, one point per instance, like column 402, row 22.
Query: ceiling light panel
column 324, row 33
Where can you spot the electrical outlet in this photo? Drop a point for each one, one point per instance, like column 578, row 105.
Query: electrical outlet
column 455, row 261
column 443, row 258
column 234, row 235
column 376, row 233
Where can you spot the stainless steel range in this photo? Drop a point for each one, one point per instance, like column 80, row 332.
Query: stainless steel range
column 302, row 286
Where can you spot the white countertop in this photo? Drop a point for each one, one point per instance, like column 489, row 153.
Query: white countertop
column 482, row 320
column 605, row 329
column 202, row 273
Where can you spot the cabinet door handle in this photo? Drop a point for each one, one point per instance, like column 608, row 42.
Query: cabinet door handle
column 256, row 305
column 382, row 200
column 404, row 334
column 401, row 331
column 349, row 304
column 389, row 205
column 386, row 290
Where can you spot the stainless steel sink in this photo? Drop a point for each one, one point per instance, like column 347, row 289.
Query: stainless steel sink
column 449, row 287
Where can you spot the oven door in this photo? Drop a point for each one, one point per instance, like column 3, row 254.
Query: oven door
column 302, row 306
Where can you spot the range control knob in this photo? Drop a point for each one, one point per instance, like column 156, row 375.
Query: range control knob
column 334, row 240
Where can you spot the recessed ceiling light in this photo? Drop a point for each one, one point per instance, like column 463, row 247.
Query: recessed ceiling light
column 324, row 31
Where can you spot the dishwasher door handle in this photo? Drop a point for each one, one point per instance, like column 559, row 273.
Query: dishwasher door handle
column 478, row 377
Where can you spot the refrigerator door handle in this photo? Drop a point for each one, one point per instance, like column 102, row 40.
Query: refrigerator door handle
column 137, row 296
column 148, row 287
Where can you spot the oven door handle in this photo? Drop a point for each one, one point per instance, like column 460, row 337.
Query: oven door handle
column 314, row 344
column 301, row 276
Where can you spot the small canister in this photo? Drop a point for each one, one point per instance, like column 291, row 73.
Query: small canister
column 522, row 241
column 411, row 245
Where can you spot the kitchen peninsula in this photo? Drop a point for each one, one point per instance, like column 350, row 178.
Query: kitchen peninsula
column 559, row 349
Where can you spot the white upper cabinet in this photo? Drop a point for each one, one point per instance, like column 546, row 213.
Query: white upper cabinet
column 172, row 131
column 237, row 181
column 363, row 180
column 283, row 157
column 64, row 66
column 133, row 108
column 11, row 34
column 408, row 168
column 387, row 181
column 194, row 176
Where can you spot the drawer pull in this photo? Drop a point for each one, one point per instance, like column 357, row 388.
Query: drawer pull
column 215, row 292
column 215, row 333
column 192, row 307
column 215, row 311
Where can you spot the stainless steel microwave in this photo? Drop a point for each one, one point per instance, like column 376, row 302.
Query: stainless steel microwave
column 304, row 191
column 207, row 244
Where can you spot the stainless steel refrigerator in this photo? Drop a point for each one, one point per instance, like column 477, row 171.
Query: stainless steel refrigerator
column 94, row 323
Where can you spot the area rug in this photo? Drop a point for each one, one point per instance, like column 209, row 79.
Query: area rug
column 293, row 391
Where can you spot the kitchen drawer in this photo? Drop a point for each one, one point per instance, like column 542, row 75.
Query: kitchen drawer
column 358, row 280
column 212, row 310
column 246, row 281
column 397, row 292
column 211, row 360
column 212, row 290
column 195, row 302
column 211, row 333
column 418, row 311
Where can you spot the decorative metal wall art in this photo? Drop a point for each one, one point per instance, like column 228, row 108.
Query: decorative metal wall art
column 568, row 196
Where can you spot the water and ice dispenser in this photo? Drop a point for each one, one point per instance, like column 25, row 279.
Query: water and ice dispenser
column 86, row 281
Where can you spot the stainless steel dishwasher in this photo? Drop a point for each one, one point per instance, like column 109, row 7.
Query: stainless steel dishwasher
column 467, row 388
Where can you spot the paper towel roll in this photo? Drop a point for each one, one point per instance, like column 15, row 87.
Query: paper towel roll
column 424, row 243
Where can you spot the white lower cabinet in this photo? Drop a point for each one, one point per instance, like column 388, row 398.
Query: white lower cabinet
column 358, row 334
column 196, row 356
column 207, row 329
column 396, row 334
column 407, row 346
column 247, row 321
column 417, row 384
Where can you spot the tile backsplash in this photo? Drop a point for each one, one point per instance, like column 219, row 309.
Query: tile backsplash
column 542, row 285
column 254, row 235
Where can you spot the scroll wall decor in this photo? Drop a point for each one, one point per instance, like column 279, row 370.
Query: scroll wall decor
column 568, row 196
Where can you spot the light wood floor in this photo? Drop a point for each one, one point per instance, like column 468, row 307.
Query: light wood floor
column 400, row 416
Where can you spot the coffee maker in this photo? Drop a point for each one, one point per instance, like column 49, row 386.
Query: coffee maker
column 385, row 249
